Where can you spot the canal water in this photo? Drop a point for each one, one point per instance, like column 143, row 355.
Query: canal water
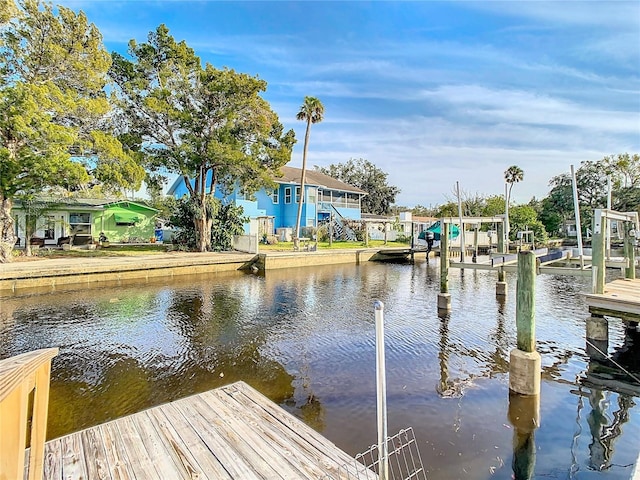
column 305, row 338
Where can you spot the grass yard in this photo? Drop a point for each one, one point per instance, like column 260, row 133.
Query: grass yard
column 120, row 250
column 124, row 250
column 337, row 245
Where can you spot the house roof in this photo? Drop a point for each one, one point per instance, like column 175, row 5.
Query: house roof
column 377, row 218
column 318, row 179
column 91, row 203
column 425, row 219
column 291, row 175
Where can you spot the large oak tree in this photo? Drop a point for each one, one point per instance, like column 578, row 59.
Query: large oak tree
column 54, row 110
column 208, row 125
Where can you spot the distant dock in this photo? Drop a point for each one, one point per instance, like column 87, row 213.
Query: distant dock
column 621, row 298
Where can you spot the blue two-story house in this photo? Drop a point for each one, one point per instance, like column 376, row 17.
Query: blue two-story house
column 271, row 211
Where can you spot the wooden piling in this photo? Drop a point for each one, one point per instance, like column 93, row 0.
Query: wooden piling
column 500, row 234
column 525, row 301
column 444, row 297
column 597, row 253
column 629, row 251
column 444, row 257
column 524, row 366
column 501, row 284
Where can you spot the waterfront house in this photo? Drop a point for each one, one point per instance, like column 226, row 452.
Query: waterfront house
column 275, row 211
column 85, row 220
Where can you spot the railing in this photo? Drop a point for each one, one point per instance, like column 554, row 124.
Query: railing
column 325, row 205
column 20, row 376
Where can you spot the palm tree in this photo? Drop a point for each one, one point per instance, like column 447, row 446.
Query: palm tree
column 513, row 174
column 312, row 111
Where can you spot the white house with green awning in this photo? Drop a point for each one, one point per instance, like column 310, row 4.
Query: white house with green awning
column 57, row 220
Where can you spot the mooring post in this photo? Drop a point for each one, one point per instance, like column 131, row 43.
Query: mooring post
column 597, row 251
column 524, row 368
column 629, row 251
column 501, row 284
column 474, row 259
column 501, row 237
column 444, row 297
column 597, row 337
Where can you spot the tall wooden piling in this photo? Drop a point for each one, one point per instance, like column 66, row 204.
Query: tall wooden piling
column 524, row 368
column 629, row 251
column 526, row 302
column 444, row 297
column 501, row 242
column 598, row 252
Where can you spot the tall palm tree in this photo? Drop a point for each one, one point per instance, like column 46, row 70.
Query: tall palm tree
column 311, row 111
column 513, row 174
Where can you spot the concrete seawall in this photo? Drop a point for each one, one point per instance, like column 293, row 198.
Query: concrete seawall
column 274, row 260
column 53, row 273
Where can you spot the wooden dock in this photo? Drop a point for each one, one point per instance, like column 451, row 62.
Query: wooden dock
column 621, row 298
column 232, row 432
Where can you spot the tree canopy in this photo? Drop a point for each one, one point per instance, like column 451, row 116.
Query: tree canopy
column 54, row 128
column 209, row 125
column 366, row 176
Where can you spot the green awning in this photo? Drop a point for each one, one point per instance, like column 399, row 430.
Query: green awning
column 454, row 231
column 121, row 215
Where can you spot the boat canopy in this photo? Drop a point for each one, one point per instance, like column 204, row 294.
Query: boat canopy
column 454, row 231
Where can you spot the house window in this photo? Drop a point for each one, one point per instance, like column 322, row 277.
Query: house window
column 49, row 228
column 297, row 194
column 80, row 223
column 287, row 195
column 311, row 195
column 275, row 195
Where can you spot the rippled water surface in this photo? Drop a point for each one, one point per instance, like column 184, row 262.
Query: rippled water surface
column 305, row 338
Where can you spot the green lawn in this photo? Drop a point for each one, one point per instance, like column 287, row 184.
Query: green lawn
column 133, row 250
column 288, row 246
column 110, row 251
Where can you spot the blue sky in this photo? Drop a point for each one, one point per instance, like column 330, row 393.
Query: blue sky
column 431, row 92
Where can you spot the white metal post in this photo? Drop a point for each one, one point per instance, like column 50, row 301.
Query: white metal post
column 381, row 392
column 607, row 243
column 462, row 241
column 576, row 207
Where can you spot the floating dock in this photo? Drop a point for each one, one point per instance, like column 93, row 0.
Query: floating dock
column 232, row 432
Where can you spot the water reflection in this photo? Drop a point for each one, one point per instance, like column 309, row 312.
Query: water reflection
column 305, row 338
column 524, row 415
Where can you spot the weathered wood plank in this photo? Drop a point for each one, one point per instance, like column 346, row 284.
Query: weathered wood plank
column 279, row 457
column 300, row 441
column 223, row 451
column 95, row 455
column 162, row 459
column 115, row 452
column 189, row 447
column 621, row 298
column 239, row 439
column 73, row 462
column 143, row 466
column 293, row 426
column 53, row 460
